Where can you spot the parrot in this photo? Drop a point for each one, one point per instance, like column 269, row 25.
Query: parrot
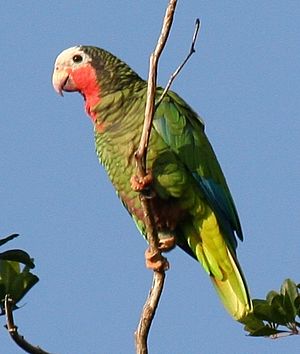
column 191, row 201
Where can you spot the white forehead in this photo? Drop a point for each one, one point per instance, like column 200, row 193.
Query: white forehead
column 67, row 54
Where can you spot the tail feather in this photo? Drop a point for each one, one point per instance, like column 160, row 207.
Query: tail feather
column 205, row 239
column 233, row 291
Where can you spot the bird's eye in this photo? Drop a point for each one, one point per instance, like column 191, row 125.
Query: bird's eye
column 77, row 58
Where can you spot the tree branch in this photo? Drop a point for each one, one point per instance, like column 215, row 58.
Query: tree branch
column 149, row 309
column 152, row 301
column 152, row 79
column 148, row 313
column 13, row 330
column 177, row 71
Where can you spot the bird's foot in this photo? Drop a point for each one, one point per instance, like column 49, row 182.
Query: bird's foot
column 167, row 244
column 140, row 184
column 155, row 261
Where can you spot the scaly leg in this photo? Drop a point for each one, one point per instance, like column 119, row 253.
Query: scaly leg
column 139, row 184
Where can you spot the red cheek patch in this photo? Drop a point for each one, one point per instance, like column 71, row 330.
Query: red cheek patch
column 86, row 82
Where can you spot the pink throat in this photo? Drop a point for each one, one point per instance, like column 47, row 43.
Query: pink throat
column 86, row 83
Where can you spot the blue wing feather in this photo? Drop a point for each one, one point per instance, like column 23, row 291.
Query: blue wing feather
column 182, row 129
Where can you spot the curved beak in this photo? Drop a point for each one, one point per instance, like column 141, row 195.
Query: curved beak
column 59, row 80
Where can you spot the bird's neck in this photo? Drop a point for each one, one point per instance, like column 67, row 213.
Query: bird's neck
column 111, row 110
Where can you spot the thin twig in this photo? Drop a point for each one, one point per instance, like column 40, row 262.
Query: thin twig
column 13, row 330
column 152, row 79
column 177, row 71
column 152, row 301
column 148, row 312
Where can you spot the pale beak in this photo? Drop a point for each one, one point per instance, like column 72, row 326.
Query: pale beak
column 59, row 80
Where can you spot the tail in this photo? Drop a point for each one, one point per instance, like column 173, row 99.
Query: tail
column 219, row 261
column 233, row 291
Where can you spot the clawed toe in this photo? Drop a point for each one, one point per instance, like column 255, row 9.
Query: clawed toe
column 139, row 184
column 167, row 244
column 155, row 261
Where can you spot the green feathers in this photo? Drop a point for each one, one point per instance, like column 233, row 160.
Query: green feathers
column 186, row 173
column 210, row 231
column 192, row 201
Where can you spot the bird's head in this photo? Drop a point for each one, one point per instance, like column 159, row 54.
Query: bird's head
column 87, row 68
column 93, row 72
column 73, row 71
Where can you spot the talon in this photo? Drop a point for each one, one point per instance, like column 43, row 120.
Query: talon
column 167, row 244
column 155, row 261
column 139, row 184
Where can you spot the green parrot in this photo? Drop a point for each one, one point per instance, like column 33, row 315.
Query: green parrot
column 192, row 204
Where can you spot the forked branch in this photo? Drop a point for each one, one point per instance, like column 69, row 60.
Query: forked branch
column 13, row 330
column 180, row 67
column 151, row 304
column 149, row 309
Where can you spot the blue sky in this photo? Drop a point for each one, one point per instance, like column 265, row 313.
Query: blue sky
column 243, row 80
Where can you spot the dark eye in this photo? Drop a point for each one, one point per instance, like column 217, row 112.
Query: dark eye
column 77, row 58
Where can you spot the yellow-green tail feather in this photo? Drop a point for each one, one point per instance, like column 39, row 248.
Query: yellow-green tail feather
column 233, row 291
column 207, row 243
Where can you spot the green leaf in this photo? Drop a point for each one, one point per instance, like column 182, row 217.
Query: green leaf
column 252, row 323
column 271, row 310
column 17, row 256
column 290, row 292
column 297, row 305
column 270, row 296
column 14, row 281
column 289, row 287
column 278, row 310
column 262, row 310
column 22, row 284
column 8, row 272
column 8, row 238
column 266, row 331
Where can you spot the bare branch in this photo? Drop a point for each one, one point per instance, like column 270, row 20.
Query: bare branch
column 177, row 71
column 148, row 313
column 152, row 79
column 152, row 301
column 13, row 330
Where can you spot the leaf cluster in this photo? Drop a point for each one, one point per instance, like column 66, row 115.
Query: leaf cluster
column 16, row 278
column 278, row 315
